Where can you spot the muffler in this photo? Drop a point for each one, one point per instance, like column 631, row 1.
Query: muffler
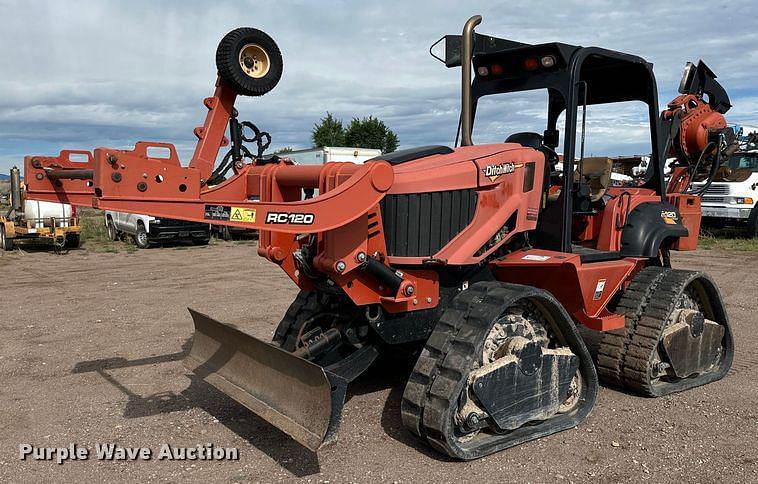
column 299, row 397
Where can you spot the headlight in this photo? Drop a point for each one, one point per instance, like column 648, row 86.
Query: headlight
column 742, row 201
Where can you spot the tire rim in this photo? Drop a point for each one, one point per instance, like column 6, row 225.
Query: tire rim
column 142, row 237
column 254, row 61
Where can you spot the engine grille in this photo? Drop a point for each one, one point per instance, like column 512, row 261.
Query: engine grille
column 420, row 224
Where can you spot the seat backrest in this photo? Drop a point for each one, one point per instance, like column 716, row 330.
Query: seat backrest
column 527, row 139
column 597, row 173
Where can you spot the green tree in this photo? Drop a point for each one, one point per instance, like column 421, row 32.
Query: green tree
column 371, row 133
column 284, row 150
column 328, row 132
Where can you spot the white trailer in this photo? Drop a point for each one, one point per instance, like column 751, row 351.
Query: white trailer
column 319, row 156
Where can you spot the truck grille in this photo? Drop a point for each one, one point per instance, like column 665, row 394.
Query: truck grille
column 713, row 199
column 420, row 224
column 717, row 190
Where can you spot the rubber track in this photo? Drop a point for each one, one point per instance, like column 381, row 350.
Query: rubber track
column 430, row 366
column 612, row 350
column 648, row 333
column 305, row 305
column 624, row 356
column 435, row 384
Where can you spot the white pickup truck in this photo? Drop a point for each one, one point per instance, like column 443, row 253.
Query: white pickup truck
column 732, row 199
column 147, row 231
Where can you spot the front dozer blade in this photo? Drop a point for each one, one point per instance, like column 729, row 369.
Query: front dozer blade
column 301, row 398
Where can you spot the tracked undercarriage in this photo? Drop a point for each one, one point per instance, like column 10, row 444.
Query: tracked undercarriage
column 676, row 337
column 502, row 367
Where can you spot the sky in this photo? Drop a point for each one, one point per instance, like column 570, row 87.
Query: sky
column 83, row 74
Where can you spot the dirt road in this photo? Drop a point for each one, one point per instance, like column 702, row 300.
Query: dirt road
column 91, row 348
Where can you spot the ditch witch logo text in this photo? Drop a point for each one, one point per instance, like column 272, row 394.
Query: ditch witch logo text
column 493, row 172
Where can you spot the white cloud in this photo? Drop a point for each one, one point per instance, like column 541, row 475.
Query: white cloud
column 85, row 74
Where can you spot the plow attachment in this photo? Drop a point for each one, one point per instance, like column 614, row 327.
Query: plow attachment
column 301, row 398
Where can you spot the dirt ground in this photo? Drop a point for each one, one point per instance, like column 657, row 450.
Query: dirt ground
column 91, row 347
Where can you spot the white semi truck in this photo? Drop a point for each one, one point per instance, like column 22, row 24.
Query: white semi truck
column 733, row 196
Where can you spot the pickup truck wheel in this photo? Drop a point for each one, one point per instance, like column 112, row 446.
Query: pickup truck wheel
column 249, row 61
column 5, row 242
column 140, row 238
column 201, row 241
column 110, row 228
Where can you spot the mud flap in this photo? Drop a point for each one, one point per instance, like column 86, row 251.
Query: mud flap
column 516, row 390
column 299, row 397
column 692, row 344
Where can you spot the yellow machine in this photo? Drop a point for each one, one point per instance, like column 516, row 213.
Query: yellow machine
column 33, row 222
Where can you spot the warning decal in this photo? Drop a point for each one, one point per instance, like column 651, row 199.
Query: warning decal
column 217, row 212
column 599, row 288
column 242, row 214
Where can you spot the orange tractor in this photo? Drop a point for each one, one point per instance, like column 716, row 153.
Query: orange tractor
column 481, row 261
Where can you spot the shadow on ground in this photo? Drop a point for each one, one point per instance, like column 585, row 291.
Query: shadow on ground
column 199, row 394
column 276, row 444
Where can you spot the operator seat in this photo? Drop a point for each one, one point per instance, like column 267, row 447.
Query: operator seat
column 597, row 173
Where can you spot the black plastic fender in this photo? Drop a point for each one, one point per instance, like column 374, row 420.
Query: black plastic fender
column 647, row 226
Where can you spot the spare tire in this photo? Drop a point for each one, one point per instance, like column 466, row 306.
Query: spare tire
column 249, row 61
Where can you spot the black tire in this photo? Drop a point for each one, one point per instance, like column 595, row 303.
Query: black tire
column 434, row 390
column 140, row 238
column 73, row 241
column 229, row 56
column 201, row 241
column 6, row 242
column 110, row 229
column 752, row 223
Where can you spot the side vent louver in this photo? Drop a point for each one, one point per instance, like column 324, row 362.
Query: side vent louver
column 420, row 224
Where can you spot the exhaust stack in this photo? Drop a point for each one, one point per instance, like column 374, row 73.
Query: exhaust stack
column 467, row 47
column 17, row 205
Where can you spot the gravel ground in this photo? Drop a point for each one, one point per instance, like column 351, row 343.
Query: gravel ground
column 91, row 353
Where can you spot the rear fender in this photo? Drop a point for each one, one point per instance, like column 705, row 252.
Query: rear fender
column 647, row 226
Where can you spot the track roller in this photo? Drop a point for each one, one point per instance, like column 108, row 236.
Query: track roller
column 504, row 365
column 677, row 334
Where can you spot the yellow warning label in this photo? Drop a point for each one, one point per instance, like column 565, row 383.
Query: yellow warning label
column 242, row 214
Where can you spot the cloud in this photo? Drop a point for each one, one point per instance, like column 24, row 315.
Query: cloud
column 80, row 74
